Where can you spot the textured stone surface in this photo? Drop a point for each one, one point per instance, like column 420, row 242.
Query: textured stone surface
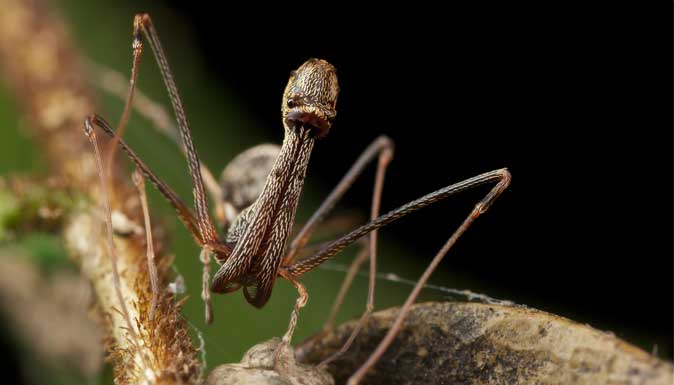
column 268, row 363
column 473, row 343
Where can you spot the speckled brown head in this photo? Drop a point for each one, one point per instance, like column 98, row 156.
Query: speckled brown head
column 310, row 98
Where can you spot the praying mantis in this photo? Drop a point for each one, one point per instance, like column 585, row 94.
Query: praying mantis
column 257, row 200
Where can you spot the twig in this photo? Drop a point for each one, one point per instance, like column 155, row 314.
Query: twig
column 45, row 75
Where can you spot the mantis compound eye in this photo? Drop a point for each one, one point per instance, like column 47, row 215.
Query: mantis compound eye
column 310, row 98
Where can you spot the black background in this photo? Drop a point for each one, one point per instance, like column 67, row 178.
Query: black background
column 576, row 102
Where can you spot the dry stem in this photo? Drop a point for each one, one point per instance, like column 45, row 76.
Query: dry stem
column 46, row 76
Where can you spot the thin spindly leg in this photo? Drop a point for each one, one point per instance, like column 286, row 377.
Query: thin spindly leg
column 202, row 228
column 353, row 269
column 151, row 264
column 384, row 160
column 114, row 83
column 117, row 85
column 137, row 46
column 208, row 232
column 383, row 147
column 184, row 212
column 299, row 303
column 480, row 208
column 502, row 177
column 205, row 258
column 206, row 228
column 378, row 147
column 89, row 131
